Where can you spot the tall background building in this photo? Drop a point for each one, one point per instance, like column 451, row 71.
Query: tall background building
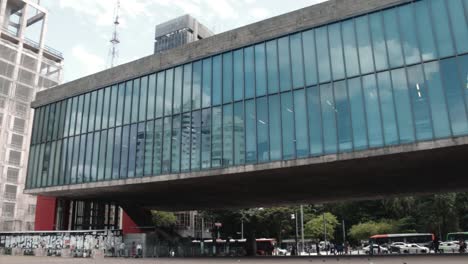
column 27, row 66
column 179, row 31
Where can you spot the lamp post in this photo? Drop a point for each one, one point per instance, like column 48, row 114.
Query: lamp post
column 293, row 217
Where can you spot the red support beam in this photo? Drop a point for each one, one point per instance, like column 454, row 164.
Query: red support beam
column 45, row 213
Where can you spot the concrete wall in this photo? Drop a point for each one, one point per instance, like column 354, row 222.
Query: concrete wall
column 305, row 18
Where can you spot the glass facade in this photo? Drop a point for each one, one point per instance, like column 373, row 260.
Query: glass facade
column 391, row 77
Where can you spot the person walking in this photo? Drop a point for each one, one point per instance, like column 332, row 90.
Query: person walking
column 122, row 249
column 139, row 249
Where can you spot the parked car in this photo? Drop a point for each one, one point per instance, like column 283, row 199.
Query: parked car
column 449, row 247
column 376, row 249
column 414, row 249
column 396, row 247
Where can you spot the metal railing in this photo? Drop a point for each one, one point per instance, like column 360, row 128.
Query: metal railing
column 33, row 43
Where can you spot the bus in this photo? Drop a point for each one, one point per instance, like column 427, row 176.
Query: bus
column 422, row 239
column 457, row 236
column 237, row 247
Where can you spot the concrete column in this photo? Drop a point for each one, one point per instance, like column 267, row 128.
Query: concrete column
column 2, row 11
column 41, row 50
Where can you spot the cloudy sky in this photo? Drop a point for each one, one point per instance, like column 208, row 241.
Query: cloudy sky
column 81, row 29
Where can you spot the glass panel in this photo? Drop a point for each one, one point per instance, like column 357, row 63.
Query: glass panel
column 287, row 125
column 52, row 120
column 436, row 96
column 105, row 107
column 151, row 97
column 50, row 171
column 364, row 44
column 195, row 140
column 196, row 85
column 85, row 117
column 315, row 121
column 260, row 69
column 350, row 51
column 275, row 127
column 135, row 97
column 39, row 166
column 176, row 141
column 454, row 93
column 392, row 34
column 227, row 135
column 374, row 123
column 58, row 111
column 217, row 140
column 79, row 115
column 113, row 105
column 158, row 141
column 101, row 158
column 143, row 98
column 81, row 162
column 378, row 41
column 95, row 162
column 409, row 34
column 300, row 118
column 459, row 26
column 419, row 99
column 186, row 130
column 310, row 63
column 343, row 117
column 284, row 64
column 390, row 129
column 73, row 116
column 272, row 66
column 227, row 77
column 140, row 150
column 132, row 148
column 166, row 156
column 463, row 64
column 149, row 147
column 402, row 106
column 249, row 64
column 297, row 62
column 323, row 58
column 109, row 154
column 206, row 139
column 99, row 106
column 262, row 129
column 206, row 90
column 168, row 92
column 358, row 115
column 125, row 147
column 58, row 155
column 250, row 132
column 336, row 51
column 328, row 118
column 239, row 137
column 45, row 164
column 120, row 105
column 441, row 28
column 238, row 75
column 178, row 89
column 117, row 150
column 217, row 80
column 187, row 90
column 424, row 28
column 160, row 94
column 92, row 111
column 66, row 127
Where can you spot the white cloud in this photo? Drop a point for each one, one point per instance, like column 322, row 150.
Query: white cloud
column 259, row 13
column 89, row 63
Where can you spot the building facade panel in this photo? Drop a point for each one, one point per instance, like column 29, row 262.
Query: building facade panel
column 381, row 79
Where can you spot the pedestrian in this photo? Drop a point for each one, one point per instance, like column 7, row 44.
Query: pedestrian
column 122, row 249
column 133, row 252
column 462, row 244
column 139, row 250
column 436, row 244
column 112, row 249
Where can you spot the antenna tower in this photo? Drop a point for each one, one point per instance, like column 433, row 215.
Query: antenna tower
column 114, row 52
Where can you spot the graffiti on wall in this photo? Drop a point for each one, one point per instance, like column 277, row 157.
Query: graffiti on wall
column 74, row 240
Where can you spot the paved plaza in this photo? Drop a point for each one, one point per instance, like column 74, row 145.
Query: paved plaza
column 341, row 260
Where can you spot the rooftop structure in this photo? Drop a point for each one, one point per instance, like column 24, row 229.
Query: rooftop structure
column 179, row 31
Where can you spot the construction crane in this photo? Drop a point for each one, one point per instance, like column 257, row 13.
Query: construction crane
column 114, row 51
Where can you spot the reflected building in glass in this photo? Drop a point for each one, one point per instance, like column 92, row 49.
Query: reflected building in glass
column 393, row 74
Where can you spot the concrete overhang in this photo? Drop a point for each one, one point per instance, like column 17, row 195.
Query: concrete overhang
column 419, row 168
column 309, row 17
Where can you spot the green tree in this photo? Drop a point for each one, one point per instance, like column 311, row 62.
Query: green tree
column 315, row 227
column 163, row 219
column 363, row 231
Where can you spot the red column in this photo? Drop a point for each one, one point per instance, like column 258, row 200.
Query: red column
column 45, row 213
column 128, row 226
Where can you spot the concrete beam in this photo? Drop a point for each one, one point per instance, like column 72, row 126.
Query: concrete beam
column 301, row 19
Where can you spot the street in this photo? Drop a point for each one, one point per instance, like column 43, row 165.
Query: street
column 342, row 260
